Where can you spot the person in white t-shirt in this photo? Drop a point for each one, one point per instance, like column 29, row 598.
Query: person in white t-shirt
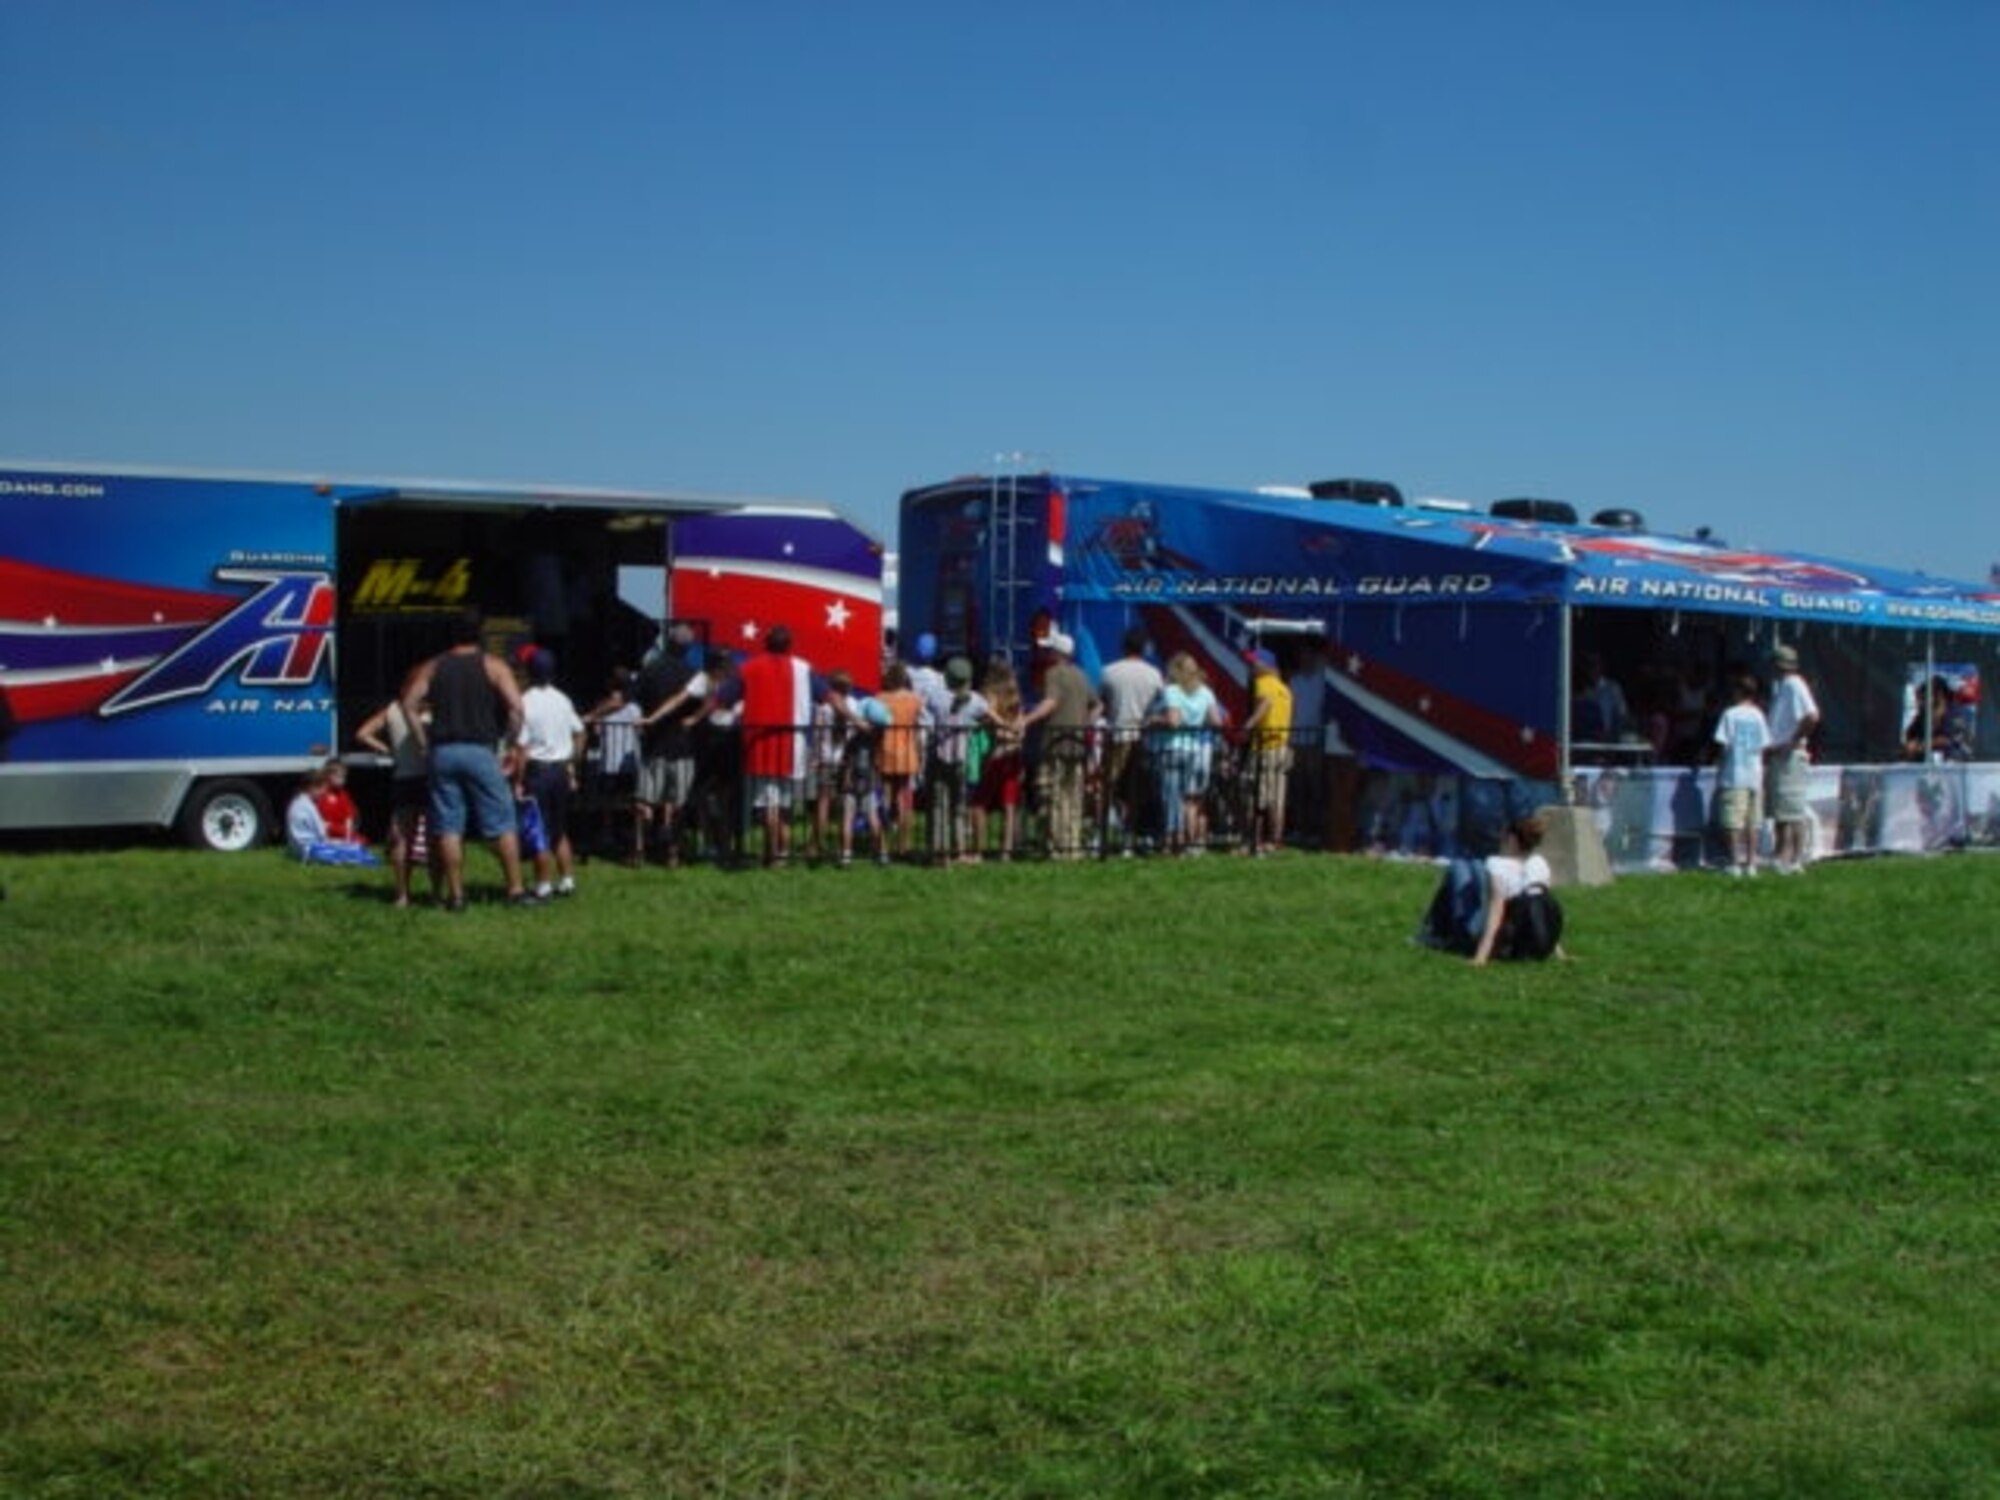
column 305, row 829
column 1508, row 873
column 1742, row 736
column 1130, row 686
column 1793, row 717
column 552, row 742
column 1469, row 910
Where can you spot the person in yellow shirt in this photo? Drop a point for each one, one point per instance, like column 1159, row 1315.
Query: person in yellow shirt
column 1270, row 731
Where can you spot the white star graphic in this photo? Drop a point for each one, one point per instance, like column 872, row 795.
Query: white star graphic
column 749, row 630
column 48, row 622
column 1354, row 666
column 789, row 549
column 1424, row 706
column 836, row 615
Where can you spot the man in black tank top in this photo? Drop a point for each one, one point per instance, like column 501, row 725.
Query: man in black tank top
column 475, row 707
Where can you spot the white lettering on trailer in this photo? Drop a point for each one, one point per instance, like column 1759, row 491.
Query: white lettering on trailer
column 1703, row 593
column 1827, row 604
column 1307, row 586
column 239, row 706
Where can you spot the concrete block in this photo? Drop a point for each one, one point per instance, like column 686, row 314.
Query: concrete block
column 1573, row 846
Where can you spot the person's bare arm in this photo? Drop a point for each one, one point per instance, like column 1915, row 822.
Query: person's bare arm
column 1496, row 911
column 510, row 694
column 369, row 735
column 414, row 692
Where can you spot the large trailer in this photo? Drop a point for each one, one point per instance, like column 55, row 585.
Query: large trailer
column 1441, row 641
column 177, row 648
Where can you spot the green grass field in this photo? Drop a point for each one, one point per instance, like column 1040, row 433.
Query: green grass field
column 1139, row 1179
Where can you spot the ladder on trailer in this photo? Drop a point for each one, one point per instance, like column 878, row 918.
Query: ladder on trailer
column 1008, row 573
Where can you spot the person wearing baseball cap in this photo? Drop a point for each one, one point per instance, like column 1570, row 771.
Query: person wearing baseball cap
column 1068, row 705
column 1793, row 716
column 1269, row 728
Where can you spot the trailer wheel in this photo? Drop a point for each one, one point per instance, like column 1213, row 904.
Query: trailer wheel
column 226, row 816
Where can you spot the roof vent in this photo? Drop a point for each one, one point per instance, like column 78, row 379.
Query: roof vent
column 1363, row 491
column 1619, row 519
column 1556, row 512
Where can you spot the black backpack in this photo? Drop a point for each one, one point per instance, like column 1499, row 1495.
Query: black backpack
column 1531, row 926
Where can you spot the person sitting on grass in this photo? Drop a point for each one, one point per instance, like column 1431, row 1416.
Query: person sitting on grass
column 307, row 838
column 336, row 805
column 1498, row 907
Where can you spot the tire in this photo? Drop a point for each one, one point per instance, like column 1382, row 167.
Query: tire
column 226, row 817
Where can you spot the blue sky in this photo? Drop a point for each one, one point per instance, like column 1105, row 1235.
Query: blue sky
column 1730, row 264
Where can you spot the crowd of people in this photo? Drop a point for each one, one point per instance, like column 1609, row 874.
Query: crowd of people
column 696, row 755
column 946, row 764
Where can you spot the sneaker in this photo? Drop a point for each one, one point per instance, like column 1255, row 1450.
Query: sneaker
column 545, row 892
column 1736, row 872
column 566, row 886
column 526, row 898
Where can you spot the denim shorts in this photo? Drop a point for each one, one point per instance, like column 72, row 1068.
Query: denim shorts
column 464, row 778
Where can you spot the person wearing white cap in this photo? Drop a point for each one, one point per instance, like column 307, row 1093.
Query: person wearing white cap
column 1067, row 705
column 1793, row 717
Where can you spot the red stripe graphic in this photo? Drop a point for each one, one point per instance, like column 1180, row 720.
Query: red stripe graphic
column 34, row 595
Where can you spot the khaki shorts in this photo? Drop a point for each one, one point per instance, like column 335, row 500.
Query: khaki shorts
column 1270, row 765
column 1786, row 786
column 1736, row 809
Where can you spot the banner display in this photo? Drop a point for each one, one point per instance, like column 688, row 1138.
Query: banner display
column 1658, row 820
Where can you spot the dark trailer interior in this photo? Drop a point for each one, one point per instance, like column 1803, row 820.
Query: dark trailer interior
column 541, row 567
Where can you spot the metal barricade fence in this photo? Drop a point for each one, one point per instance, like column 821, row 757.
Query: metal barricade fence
column 977, row 795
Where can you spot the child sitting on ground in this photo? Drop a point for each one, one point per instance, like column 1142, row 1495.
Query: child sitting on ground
column 336, row 805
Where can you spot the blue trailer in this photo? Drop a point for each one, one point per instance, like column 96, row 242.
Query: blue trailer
column 1445, row 638
column 177, row 648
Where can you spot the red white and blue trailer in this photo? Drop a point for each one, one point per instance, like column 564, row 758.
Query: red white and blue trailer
column 176, row 648
column 1442, row 641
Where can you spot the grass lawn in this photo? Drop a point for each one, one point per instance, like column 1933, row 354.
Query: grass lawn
column 1137, row 1179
